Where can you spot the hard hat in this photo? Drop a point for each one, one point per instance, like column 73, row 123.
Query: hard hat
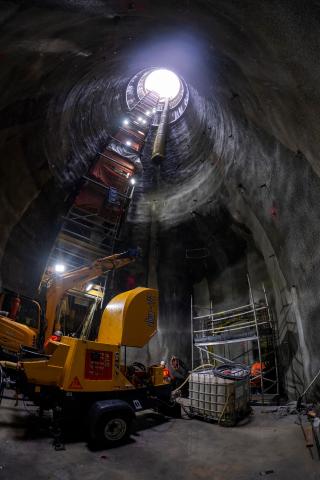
column 56, row 336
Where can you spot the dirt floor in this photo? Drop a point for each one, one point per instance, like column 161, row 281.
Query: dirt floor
column 265, row 445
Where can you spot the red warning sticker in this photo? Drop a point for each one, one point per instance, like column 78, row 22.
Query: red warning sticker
column 75, row 384
column 98, row 365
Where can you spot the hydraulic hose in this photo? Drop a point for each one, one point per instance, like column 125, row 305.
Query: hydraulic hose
column 236, row 371
column 205, row 365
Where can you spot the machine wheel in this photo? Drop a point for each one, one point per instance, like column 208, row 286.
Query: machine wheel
column 113, row 429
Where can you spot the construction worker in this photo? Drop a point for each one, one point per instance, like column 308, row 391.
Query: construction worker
column 166, row 373
column 256, row 371
column 55, row 337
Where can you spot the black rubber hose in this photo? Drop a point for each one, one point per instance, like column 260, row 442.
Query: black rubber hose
column 241, row 372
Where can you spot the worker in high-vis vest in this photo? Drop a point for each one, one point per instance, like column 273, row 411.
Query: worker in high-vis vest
column 256, row 371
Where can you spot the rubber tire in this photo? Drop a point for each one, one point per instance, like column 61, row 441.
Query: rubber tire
column 100, row 437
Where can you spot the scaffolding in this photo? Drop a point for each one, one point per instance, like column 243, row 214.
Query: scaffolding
column 92, row 226
column 251, row 327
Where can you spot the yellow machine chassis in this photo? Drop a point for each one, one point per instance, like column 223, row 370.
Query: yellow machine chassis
column 73, row 364
column 66, row 368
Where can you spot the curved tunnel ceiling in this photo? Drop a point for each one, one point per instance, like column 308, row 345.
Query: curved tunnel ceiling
column 248, row 60
column 248, row 140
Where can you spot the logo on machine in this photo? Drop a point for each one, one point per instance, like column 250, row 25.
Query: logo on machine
column 150, row 318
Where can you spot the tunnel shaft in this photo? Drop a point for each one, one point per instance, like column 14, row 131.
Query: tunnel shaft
column 240, row 172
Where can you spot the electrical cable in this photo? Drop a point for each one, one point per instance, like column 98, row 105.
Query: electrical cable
column 235, row 371
column 205, row 365
column 218, row 372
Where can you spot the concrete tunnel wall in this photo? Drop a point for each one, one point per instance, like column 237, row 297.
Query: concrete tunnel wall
column 243, row 158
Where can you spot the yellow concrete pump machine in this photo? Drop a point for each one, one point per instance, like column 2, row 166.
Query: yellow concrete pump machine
column 88, row 379
column 15, row 334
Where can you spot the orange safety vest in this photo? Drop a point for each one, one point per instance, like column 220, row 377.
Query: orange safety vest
column 54, row 338
column 256, row 369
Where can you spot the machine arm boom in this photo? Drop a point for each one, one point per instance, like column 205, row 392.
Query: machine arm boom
column 57, row 286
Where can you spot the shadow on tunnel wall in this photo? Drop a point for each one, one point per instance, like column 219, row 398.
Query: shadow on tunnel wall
column 31, row 240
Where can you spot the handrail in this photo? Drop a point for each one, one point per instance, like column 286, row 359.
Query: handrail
column 224, row 330
column 210, row 315
column 223, row 311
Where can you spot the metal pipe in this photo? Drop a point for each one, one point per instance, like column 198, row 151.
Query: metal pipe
column 240, row 326
column 299, row 401
column 213, row 333
column 274, row 338
column 227, row 342
column 258, row 338
column 219, row 358
column 229, row 316
column 158, row 152
column 191, row 332
column 223, row 311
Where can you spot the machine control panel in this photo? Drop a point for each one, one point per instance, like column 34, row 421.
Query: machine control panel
column 98, row 365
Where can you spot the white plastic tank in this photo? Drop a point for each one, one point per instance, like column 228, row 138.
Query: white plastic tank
column 218, row 398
